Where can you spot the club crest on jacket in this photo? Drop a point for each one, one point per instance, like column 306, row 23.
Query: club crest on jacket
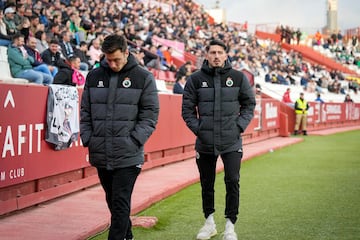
column 229, row 82
column 126, row 83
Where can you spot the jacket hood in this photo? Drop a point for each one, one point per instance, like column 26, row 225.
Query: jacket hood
column 129, row 65
column 63, row 64
column 211, row 71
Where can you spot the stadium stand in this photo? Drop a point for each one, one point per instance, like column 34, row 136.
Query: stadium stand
column 5, row 69
column 245, row 49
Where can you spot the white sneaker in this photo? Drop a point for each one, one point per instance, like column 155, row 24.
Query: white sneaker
column 229, row 233
column 208, row 230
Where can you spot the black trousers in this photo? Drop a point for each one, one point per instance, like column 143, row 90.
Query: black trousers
column 207, row 168
column 118, row 186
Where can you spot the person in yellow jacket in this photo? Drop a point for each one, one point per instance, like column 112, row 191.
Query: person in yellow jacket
column 301, row 107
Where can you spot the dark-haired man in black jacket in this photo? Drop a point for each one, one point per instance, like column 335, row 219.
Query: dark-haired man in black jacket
column 218, row 105
column 119, row 112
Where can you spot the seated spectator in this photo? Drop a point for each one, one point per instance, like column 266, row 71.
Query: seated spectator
column 43, row 17
column 69, row 73
column 258, row 89
column 290, row 79
column 35, row 25
column 180, row 84
column 9, row 20
column 281, row 79
column 348, row 98
column 353, row 84
column 304, row 80
column 94, row 51
column 52, row 55
column 311, row 86
column 319, row 99
column 286, row 97
column 54, row 31
column 39, row 64
column 21, row 63
column 19, row 16
column 274, row 78
column 199, row 58
column 185, row 69
column 151, row 59
column 82, row 53
column 267, row 77
column 169, row 62
column 5, row 39
column 323, row 82
column 68, row 49
column 163, row 63
column 139, row 55
column 41, row 42
column 335, row 87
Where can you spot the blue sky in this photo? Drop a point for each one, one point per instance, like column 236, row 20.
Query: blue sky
column 306, row 14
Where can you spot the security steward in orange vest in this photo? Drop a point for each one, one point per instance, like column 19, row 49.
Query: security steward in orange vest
column 301, row 107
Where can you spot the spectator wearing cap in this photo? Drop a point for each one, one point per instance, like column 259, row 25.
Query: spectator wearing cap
column 9, row 20
column 5, row 39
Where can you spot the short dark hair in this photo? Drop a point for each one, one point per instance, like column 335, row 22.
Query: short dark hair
column 114, row 42
column 17, row 36
column 38, row 34
column 217, row 43
column 54, row 41
column 83, row 43
column 73, row 58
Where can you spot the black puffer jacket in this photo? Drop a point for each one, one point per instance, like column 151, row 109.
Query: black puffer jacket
column 218, row 105
column 116, row 122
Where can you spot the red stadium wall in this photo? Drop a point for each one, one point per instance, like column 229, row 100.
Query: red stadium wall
column 31, row 172
column 325, row 115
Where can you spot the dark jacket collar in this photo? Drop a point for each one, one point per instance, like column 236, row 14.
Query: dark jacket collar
column 211, row 71
column 129, row 65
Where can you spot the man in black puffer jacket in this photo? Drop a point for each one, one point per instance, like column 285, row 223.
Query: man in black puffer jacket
column 218, row 105
column 119, row 112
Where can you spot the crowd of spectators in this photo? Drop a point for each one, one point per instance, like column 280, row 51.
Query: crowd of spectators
column 64, row 28
column 339, row 48
column 289, row 34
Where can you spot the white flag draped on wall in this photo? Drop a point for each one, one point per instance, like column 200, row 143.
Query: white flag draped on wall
column 62, row 115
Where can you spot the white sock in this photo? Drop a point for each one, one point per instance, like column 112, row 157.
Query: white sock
column 229, row 226
column 210, row 218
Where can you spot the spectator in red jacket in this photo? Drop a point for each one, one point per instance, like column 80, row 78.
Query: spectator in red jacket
column 286, row 98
